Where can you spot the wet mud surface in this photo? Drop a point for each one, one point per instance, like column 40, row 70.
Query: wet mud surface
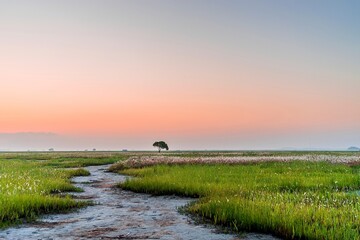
column 119, row 214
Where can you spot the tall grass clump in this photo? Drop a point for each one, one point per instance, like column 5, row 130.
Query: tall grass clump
column 294, row 200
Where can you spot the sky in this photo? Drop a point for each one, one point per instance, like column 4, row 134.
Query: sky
column 106, row 74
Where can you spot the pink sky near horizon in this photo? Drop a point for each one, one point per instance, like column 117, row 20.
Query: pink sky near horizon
column 71, row 70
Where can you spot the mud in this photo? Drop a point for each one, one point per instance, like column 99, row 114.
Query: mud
column 119, row 214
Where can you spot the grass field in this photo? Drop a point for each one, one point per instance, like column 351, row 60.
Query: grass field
column 30, row 182
column 291, row 199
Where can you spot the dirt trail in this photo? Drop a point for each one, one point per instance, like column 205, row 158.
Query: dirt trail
column 119, row 214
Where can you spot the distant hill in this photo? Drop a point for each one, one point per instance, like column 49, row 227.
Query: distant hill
column 353, row 149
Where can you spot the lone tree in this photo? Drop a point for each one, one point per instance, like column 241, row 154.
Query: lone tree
column 161, row 145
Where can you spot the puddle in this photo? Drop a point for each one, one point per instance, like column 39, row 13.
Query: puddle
column 120, row 214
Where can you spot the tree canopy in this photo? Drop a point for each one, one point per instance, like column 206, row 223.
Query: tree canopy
column 161, row 145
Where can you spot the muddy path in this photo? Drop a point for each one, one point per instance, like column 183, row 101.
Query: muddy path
column 119, row 214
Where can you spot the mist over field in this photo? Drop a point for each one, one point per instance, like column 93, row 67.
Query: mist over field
column 246, row 141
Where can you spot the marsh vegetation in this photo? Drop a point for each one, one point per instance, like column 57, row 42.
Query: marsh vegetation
column 301, row 195
column 314, row 199
column 37, row 183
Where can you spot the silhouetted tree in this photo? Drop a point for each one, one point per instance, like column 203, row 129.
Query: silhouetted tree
column 161, row 145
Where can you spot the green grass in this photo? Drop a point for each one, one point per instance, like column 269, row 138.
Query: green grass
column 302, row 200
column 30, row 182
